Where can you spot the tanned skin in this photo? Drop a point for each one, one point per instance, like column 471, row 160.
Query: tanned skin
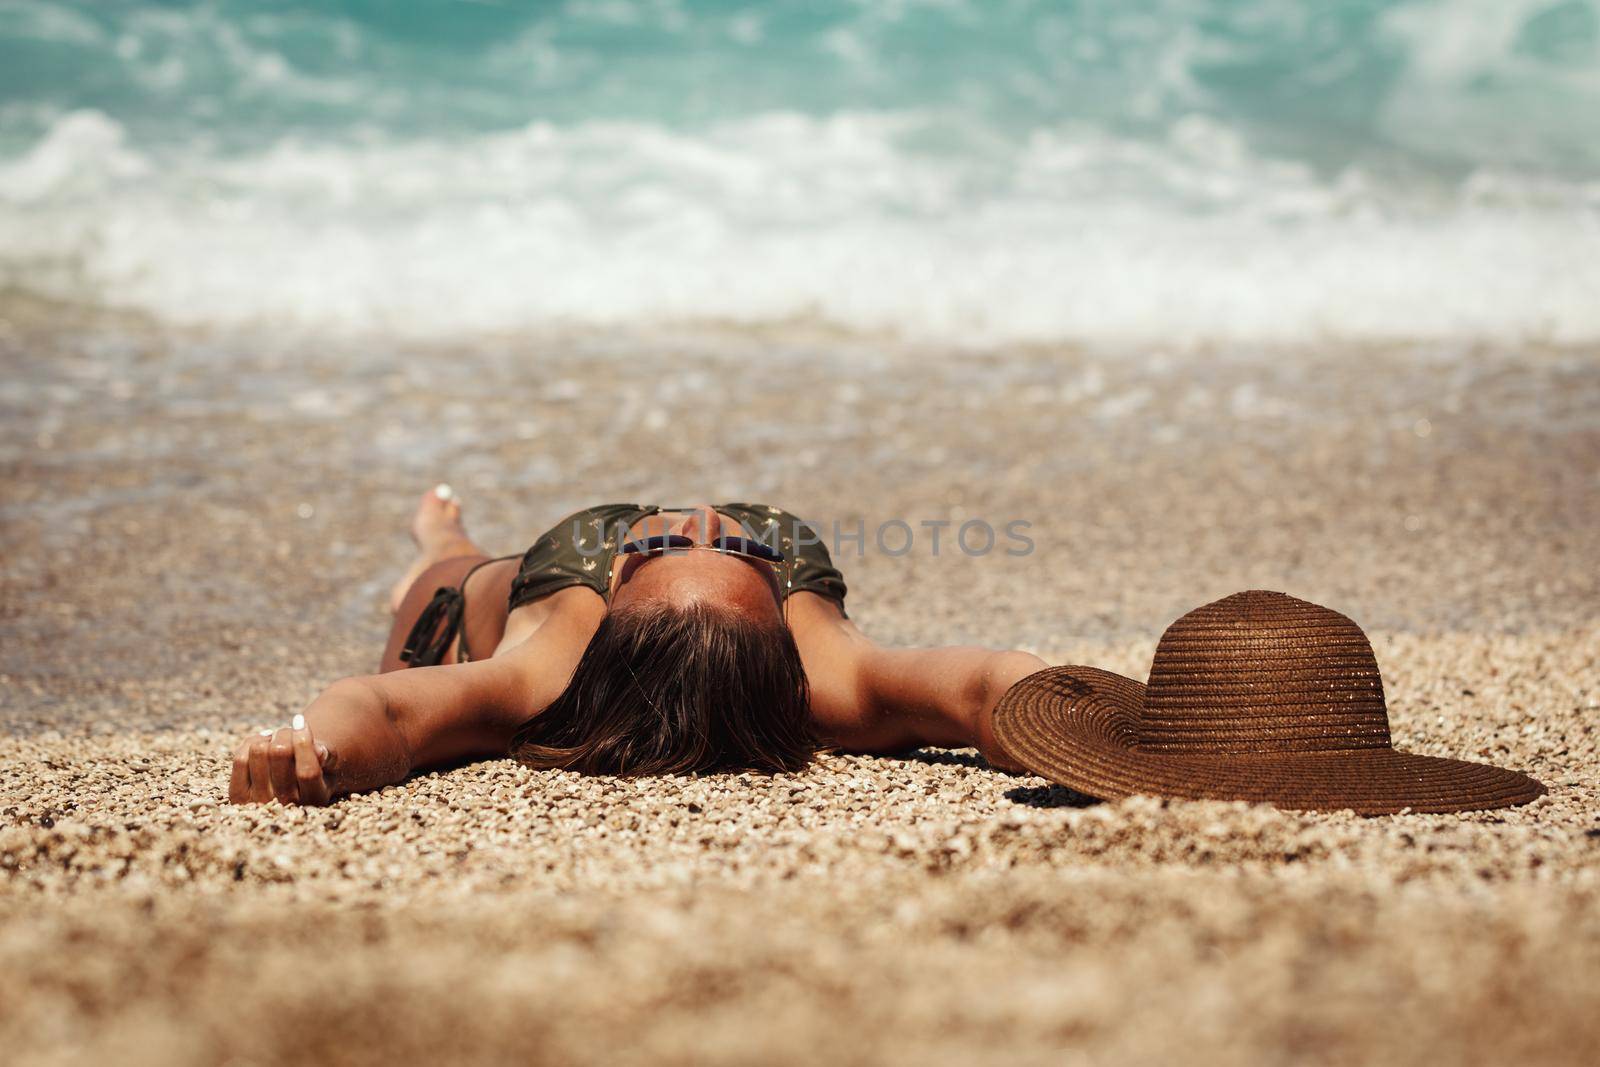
column 366, row 732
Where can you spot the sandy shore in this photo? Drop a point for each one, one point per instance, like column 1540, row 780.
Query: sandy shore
column 199, row 532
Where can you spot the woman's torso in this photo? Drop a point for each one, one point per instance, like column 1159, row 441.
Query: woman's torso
column 570, row 568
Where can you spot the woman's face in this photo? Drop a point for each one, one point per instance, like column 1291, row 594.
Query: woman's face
column 736, row 583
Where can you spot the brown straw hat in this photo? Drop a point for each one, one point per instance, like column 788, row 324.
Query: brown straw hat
column 1258, row 697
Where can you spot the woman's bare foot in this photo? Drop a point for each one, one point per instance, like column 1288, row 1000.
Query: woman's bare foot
column 437, row 530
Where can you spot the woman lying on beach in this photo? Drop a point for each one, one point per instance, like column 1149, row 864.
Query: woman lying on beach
column 628, row 640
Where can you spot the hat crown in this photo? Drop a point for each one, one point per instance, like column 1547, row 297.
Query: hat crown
column 1263, row 672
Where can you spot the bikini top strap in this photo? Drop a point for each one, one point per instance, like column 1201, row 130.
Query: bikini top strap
column 463, row 655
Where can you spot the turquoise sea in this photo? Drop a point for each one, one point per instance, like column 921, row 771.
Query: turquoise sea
column 1174, row 172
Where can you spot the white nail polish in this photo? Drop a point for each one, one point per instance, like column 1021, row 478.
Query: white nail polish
column 299, row 723
column 266, row 733
column 443, row 491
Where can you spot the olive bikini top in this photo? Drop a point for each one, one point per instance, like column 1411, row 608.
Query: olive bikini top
column 581, row 549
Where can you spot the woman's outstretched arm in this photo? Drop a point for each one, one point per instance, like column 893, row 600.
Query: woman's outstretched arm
column 371, row 731
column 937, row 696
column 866, row 697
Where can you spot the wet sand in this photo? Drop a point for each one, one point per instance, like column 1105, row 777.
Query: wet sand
column 199, row 532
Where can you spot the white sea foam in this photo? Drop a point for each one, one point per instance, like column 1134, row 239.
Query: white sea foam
column 863, row 220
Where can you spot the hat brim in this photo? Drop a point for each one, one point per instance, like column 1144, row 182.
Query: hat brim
column 1078, row 726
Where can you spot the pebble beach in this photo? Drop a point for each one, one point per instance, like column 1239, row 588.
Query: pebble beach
column 200, row 527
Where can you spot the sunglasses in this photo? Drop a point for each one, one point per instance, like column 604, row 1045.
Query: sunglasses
column 661, row 544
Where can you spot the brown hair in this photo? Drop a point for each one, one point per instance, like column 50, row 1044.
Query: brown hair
column 663, row 689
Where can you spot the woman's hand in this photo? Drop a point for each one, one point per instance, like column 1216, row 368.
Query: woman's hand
column 377, row 729
column 289, row 766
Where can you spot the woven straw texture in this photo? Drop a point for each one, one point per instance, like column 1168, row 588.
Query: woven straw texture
column 1258, row 696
